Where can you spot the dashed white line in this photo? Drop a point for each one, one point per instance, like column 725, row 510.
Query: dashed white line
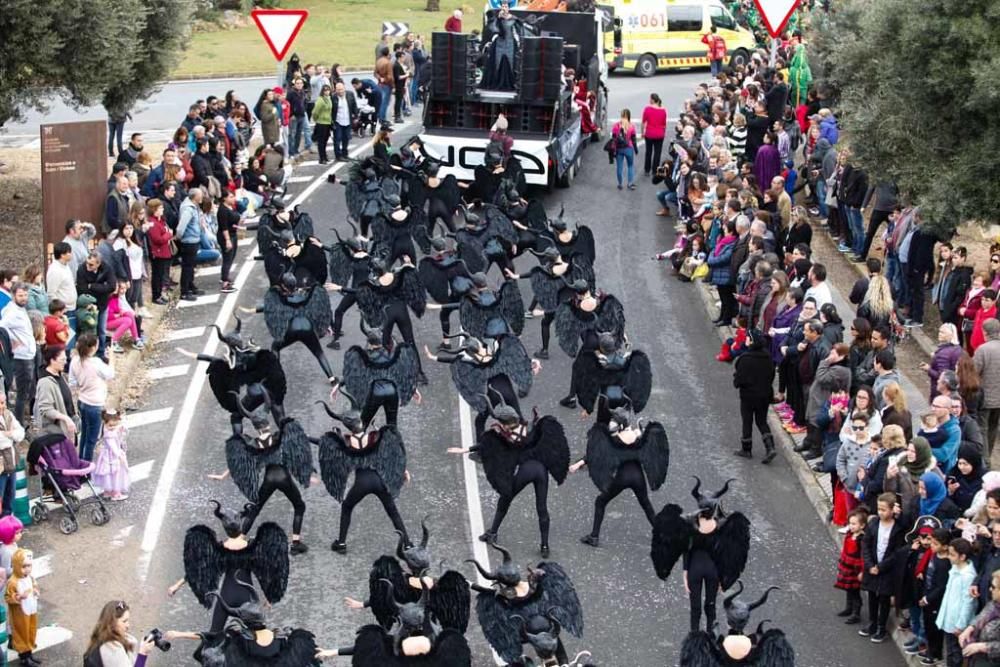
column 137, row 419
column 184, row 334
column 203, row 300
column 300, row 179
column 168, row 372
column 249, row 240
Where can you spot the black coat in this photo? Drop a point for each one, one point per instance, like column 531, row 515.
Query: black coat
column 954, row 293
column 883, row 582
column 776, row 98
column 854, row 186
column 921, row 257
column 753, row 374
column 99, row 284
column 352, row 107
column 740, row 251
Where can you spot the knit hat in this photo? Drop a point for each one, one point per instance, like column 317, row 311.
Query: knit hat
column 278, row 90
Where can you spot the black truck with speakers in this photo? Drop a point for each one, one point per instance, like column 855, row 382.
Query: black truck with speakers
column 544, row 71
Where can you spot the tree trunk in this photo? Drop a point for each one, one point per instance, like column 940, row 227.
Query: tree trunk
column 433, row 6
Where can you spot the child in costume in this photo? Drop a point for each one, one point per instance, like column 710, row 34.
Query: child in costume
column 21, row 596
column 111, row 467
column 850, row 566
column 11, row 530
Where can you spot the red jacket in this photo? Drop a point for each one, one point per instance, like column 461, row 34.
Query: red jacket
column 159, row 237
column 978, row 337
column 716, row 46
column 453, row 24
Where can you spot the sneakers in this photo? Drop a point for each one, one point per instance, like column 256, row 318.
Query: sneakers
column 928, row 660
column 914, row 647
column 880, row 636
column 143, row 312
column 867, row 631
column 227, row 288
column 116, row 347
column 794, row 429
column 139, row 344
column 843, row 248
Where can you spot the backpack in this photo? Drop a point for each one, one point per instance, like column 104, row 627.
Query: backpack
column 621, row 139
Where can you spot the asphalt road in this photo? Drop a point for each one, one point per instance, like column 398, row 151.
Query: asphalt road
column 632, row 618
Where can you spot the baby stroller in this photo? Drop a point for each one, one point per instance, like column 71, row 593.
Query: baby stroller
column 55, row 460
column 367, row 117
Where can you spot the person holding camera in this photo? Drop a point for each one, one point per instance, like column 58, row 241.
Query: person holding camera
column 111, row 645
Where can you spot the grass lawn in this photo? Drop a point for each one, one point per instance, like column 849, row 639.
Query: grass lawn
column 343, row 31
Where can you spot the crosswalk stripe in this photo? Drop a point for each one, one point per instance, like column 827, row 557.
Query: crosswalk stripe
column 202, row 300
column 307, row 163
column 168, row 372
column 247, row 241
column 47, row 637
column 183, row 334
column 136, row 419
column 208, row 271
column 41, row 566
column 300, row 179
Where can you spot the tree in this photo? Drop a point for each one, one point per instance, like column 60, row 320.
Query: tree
column 74, row 49
column 162, row 38
column 433, row 6
column 918, row 99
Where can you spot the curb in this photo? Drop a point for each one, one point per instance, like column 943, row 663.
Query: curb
column 815, row 490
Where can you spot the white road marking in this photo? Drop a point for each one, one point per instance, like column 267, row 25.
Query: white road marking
column 168, row 372
column 307, row 163
column 184, row 334
column 158, row 508
column 48, row 636
column 41, row 566
column 208, row 271
column 203, row 300
column 246, row 241
column 136, row 419
column 300, row 179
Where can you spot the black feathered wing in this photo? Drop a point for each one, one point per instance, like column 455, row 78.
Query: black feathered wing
column 448, row 192
column 638, row 380
column 299, row 650
column 355, row 199
column 245, row 463
column 303, row 225
column 450, row 650
column 450, row 600
column 700, row 650
column 611, row 318
column 500, row 226
column 412, row 290
column 772, row 650
column 671, row 539
column 334, row 466
column 360, row 372
column 268, row 366
column 470, row 381
column 372, row 302
column 570, row 324
column 559, row 596
column 296, row 452
column 589, row 378
column 499, row 460
column 546, row 288
column 203, row 562
column 654, row 453
column 512, row 306
column 551, row 447
column 434, row 278
column 317, row 309
column 604, row 457
column 583, row 244
column 535, row 217
column 269, row 561
column 372, row 646
column 731, row 548
column 502, row 631
column 382, row 596
column 513, row 361
column 277, row 314
column 341, row 264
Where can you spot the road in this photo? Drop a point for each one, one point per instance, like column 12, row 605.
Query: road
column 632, row 618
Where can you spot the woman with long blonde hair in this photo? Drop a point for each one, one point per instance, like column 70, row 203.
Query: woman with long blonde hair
column 877, row 305
column 895, row 411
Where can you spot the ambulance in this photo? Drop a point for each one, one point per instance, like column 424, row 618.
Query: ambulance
column 655, row 35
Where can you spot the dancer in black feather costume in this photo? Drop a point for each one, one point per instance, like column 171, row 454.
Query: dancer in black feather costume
column 443, row 196
column 513, row 600
column 380, row 376
column 762, row 648
column 516, row 454
column 713, row 544
column 446, row 278
column 623, row 456
column 243, row 365
column 296, row 314
column 367, row 194
column 488, row 238
column 350, row 266
column 579, row 320
column 489, row 373
column 376, row 457
column 233, row 560
column 387, row 298
column 398, row 232
column 448, row 596
column 611, row 377
column 271, row 461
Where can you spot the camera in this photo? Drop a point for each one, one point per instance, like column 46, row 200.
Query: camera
column 156, row 637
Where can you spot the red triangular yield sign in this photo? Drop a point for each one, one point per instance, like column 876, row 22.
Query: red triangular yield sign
column 279, row 27
column 776, row 14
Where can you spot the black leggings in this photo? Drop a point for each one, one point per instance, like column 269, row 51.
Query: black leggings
column 754, row 410
column 437, row 210
column 629, row 476
column 529, row 472
column 701, row 573
column 301, row 331
column 878, row 609
column 389, row 403
column 277, row 478
column 547, row 319
column 367, row 482
column 652, row 154
column 498, row 384
column 234, row 594
column 397, row 315
column 445, row 317
column 346, row 301
column 874, row 222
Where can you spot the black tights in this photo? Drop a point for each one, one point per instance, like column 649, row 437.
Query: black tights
column 547, row 329
column 397, row 315
column 701, row 574
column 346, row 301
column 529, row 472
column 878, row 609
column 445, row 317
column 367, row 482
column 303, row 333
column 277, row 478
column 437, row 210
column 389, row 403
column 629, row 476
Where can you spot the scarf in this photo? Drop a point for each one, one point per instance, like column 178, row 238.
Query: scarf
column 67, row 395
column 925, row 558
column 936, row 493
column 923, row 459
column 721, row 245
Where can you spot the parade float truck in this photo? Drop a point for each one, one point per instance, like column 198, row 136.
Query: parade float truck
column 552, row 113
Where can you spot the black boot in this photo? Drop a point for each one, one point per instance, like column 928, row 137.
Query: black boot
column 803, row 446
column 855, row 616
column 489, row 537
column 746, row 445
column 568, row 402
column 769, row 452
column 590, row 540
column 848, row 609
column 339, row 547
